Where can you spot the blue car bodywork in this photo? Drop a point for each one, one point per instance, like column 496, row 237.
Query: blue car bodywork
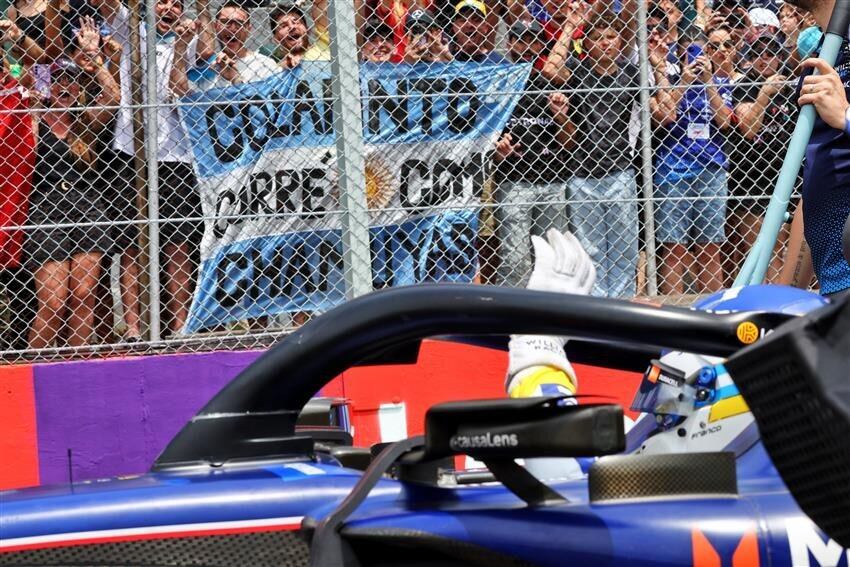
column 236, row 485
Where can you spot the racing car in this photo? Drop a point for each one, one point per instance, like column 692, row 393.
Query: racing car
column 243, row 484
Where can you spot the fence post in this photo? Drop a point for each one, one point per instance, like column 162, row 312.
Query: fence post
column 646, row 152
column 151, row 152
column 136, row 104
column 350, row 162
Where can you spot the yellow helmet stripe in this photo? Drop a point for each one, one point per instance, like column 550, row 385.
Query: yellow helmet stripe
column 728, row 408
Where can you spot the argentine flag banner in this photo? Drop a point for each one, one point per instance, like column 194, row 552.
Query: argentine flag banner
column 265, row 159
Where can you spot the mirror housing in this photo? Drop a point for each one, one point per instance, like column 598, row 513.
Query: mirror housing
column 523, row 428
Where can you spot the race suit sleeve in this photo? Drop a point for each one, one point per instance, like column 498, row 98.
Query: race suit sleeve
column 538, row 366
column 541, row 381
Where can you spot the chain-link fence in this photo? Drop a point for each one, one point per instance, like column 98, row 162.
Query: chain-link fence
column 285, row 157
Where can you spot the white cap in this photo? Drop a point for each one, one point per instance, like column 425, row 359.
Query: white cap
column 763, row 17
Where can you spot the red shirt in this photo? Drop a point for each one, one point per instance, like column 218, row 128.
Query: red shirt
column 17, row 145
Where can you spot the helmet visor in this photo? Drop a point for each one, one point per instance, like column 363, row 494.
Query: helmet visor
column 663, row 391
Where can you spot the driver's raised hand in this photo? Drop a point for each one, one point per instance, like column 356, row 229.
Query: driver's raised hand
column 561, row 264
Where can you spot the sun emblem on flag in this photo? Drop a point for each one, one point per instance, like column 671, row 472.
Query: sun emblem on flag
column 379, row 189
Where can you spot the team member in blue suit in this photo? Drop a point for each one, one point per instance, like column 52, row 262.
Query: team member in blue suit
column 826, row 177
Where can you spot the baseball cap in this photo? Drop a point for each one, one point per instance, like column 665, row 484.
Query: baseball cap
column 476, row 5
column 763, row 17
column 766, row 41
column 376, row 27
column 419, row 20
column 522, row 28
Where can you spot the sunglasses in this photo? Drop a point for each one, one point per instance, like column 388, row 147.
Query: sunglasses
column 714, row 45
column 233, row 22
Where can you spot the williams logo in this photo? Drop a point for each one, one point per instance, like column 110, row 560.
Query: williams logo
column 484, row 441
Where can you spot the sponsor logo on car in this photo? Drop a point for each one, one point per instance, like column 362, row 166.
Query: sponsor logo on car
column 721, row 549
column 810, row 548
column 484, row 441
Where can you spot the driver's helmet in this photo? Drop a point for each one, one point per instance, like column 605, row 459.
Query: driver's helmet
column 690, row 400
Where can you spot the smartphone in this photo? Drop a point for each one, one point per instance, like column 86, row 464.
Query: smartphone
column 694, row 50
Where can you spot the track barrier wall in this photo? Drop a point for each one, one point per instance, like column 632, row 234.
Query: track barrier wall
column 86, row 420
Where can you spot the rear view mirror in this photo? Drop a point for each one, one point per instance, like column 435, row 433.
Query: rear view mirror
column 523, row 428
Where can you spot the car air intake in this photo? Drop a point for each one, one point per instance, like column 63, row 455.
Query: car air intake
column 797, row 384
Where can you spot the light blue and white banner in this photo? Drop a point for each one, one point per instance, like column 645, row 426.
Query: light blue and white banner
column 266, row 166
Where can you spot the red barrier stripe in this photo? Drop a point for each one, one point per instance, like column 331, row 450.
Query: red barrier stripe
column 19, row 441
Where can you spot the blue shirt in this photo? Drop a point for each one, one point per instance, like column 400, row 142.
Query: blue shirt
column 694, row 142
column 826, row 193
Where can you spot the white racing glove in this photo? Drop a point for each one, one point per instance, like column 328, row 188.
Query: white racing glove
column 561, row 265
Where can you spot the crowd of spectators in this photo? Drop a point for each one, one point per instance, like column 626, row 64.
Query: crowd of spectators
column 720, row 107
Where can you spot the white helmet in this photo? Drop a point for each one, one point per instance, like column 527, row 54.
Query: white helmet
column 689, row 402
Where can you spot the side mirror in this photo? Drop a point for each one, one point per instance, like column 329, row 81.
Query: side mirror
column 523, row 428
column 497, row 432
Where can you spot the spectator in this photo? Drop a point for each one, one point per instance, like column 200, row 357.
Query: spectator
column 569, row 14
column 763, row 20
column 508, row 11
column 691, row 166
column 104, row 186
column 530, row 161
column 766, row 110
column 120, row 180
column 602, row 192
column 673, row 14
column 179, row 201
column 473, row 35
column 66, row 261
column 567, row 28
column 377, row 42
column 792, row 21
column 50, row 31
column 393, row 13
column 17, row 147
column 733, row 16
column 234, row 64
column 292, row 41
column 425, row 40
column 46, row 27
column 662, row 41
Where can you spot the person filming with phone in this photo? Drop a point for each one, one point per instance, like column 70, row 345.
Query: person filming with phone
column 691, row 166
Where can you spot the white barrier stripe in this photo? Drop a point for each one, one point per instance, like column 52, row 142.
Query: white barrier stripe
column 175, row 529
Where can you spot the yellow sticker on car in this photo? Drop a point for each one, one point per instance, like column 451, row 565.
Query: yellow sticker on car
column 747, row 332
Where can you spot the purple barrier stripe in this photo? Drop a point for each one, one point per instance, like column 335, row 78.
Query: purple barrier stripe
column 116, row 415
